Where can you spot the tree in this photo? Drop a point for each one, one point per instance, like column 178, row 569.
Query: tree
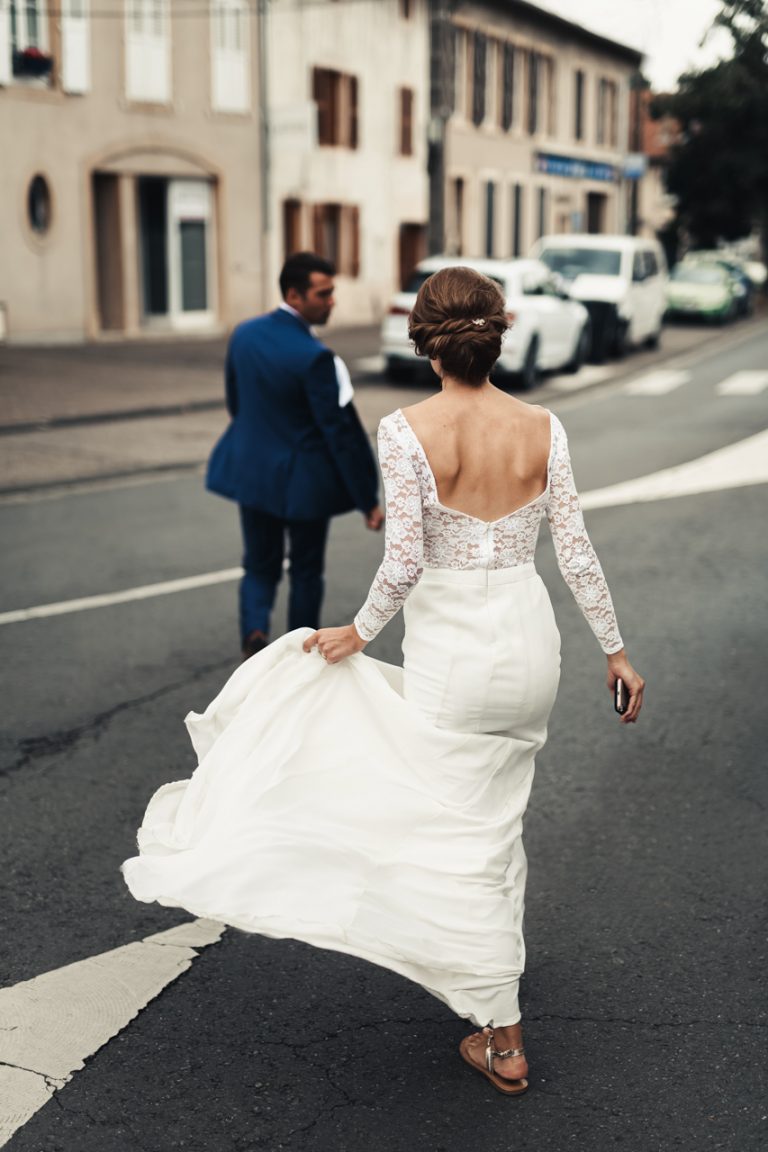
column 719, row 170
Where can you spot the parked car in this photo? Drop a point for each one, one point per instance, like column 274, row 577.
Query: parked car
column 744, row 288
column 703, row 290
column 620, row 279
column 549, row 330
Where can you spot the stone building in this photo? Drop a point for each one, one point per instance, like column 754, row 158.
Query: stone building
column 130, row 186
column 532, row 111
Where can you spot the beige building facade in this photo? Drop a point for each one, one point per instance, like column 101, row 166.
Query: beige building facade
column 130, row 187
column 537, row 129
column 348, row 84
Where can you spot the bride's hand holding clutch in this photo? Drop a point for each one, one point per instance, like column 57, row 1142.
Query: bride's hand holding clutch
column 335, row 644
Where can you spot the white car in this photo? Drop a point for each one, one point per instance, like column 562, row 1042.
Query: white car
column 622, row 281
column 549, row 330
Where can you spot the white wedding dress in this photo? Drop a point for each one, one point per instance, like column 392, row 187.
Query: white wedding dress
column 376, row 810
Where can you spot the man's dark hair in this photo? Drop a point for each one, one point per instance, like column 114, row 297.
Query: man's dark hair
column 298, row 269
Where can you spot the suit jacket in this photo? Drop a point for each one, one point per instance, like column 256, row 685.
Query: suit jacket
column 289, row 450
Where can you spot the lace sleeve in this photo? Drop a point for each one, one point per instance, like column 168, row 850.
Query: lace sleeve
column 403, row 560
column 575, row 555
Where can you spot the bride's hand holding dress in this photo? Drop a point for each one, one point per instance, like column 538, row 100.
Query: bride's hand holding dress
column 335, row 644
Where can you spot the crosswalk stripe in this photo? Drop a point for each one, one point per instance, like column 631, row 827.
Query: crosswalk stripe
column 50, row 1025
column 747, row 383
column 589, row 374
column 658, row 383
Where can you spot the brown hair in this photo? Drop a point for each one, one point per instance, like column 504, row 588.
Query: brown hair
column 459, row 319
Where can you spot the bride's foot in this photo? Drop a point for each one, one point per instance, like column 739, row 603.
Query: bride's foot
column 507, row 1073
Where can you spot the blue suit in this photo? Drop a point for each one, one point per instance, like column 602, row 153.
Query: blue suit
column 291, row 458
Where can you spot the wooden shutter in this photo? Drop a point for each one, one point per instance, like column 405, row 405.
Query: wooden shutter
column 352, row 96
column 406, row 122
column 322, row 94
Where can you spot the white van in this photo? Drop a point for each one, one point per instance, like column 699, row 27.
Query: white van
column 622, row 281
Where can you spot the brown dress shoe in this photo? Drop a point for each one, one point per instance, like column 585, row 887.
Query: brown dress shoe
column 254, row 642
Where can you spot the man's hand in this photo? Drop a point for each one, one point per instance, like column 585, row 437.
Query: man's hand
column 374, row 519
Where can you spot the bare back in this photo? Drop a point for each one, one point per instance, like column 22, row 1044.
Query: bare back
column 488, row 451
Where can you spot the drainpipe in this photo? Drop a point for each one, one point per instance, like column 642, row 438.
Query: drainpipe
column 265, row 188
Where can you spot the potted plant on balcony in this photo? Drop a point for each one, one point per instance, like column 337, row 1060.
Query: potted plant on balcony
column 32, row 61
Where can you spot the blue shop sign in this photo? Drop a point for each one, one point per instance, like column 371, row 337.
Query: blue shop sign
column 575, row 168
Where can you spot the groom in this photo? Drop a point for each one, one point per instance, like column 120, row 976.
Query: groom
column 292, row 457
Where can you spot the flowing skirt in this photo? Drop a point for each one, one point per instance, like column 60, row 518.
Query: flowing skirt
column 370, row 809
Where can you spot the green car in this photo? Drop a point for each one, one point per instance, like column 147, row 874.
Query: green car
column 701, row 290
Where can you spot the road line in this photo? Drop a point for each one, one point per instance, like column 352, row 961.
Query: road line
column 107, row 599
column 735, row 466
column 50, row 1025
column 747, row 383
column 658, row 383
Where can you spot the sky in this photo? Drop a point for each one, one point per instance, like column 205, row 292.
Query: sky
column 667, row 31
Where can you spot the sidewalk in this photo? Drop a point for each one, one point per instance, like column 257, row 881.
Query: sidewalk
column 91, row 383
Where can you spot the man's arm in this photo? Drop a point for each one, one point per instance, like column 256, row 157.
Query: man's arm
column 230, row 382
column 343, row 433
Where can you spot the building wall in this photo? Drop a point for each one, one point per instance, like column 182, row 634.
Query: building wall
column 374, row 42
column 49, row 283
column 488, row 153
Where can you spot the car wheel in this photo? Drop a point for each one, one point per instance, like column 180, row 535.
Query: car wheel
column 581, row 351
column 654, row 340
column 620, row 343
column 528, row 376
column 397, row 370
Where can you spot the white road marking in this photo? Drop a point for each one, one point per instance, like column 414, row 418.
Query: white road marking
column 748, row 383
column 50, row 1025
column 731, row 467
column 735, row 466
column 657, row 383
column 106, row 599
column 589, row 374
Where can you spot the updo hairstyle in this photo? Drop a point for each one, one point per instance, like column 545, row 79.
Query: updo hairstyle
column 459, row 319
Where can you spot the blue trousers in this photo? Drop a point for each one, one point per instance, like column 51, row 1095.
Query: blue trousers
column 264, row 542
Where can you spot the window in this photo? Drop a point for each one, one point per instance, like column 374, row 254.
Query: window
column 578, row 105
column 542, row 213
column 406, row 8
column 148, row 56
column 533, row 93
column 406, row 121
column 39, row 205
column 490, row 213
column 479, row 78
column 336, row 236
column 651, row 263
column 507, row 86
column 292, row 230
column 335, row 94
column 29, row 25
column 517, row 219
column 24, row 44
column 230, row 61
column 607, row 112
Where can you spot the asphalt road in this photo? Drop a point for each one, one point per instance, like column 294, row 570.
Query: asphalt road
column 644, row 998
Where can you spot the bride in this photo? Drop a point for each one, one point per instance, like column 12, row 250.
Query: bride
column 376, row 810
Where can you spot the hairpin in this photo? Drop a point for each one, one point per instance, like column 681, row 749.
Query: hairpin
column 480, row 322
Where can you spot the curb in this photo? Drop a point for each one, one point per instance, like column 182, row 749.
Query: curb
column 84, row 421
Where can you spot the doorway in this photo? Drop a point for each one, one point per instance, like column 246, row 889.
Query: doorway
column 596, row 212
column 175, row 225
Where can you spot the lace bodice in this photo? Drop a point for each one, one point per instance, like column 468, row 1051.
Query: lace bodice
column 421, row 532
